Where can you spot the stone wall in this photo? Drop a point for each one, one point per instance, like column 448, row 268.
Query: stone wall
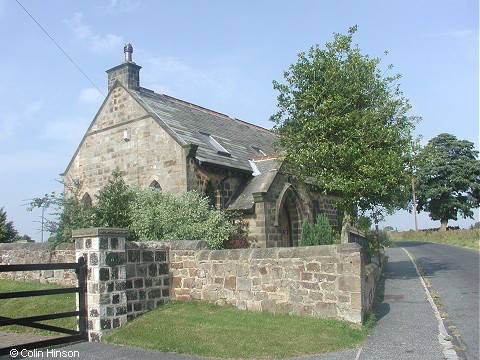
column 125, row 279
column 31, row 253
column 148, row 276
column 321, row 281
column 373, row 272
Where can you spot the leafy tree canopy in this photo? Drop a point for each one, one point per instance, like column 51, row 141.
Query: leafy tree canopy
column 345, row 127
column 8, row 233
column 448, row 179
column 113, row 201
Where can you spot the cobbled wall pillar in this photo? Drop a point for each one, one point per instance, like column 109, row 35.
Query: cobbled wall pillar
column 104, row 252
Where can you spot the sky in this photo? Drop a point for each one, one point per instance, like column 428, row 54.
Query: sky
column 222, row 55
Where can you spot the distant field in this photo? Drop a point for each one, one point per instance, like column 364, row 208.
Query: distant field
column 465, row 238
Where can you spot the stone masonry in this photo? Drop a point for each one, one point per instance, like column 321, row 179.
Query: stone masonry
column 123, row 280
column 32, row 253
column 126, row 279
column 321, row 281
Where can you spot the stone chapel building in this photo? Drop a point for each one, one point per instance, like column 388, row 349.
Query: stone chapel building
column 175, row 146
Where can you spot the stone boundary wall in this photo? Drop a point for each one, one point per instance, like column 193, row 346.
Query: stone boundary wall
column 148, row 276
column 373, row 271
column 32, row 253
column 322, row 281
column 126, row 279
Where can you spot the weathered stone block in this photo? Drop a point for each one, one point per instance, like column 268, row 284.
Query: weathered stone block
column 313, row 267
column 230, row 283
column 349, row 283
column 244, row 284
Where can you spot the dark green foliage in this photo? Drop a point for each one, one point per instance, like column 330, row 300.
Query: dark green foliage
column 8, row 232
column 23, row 238
column 113, row 203
column 376, row 239
column 345, row 127
column 321, row 233
column 447, row 179
column 364, row 223
column 74, row 214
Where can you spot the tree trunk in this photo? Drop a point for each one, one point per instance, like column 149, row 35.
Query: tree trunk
column 346, row 223
column 443, row 225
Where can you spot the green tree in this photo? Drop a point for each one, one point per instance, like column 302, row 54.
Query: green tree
column 44, row 203
column 8, row 233
column 321, row 233
column 447, row 179
column 345, row 128
column 24, row 238
column 113, row 203
column 73, row 214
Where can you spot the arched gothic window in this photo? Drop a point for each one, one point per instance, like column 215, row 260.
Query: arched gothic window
column 155, row 185
column 87, row 200
column 210, row 193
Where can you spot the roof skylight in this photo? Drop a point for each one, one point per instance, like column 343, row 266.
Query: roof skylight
column 214, row 144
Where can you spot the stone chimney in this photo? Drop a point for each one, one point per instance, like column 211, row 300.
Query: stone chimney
column 128, row 73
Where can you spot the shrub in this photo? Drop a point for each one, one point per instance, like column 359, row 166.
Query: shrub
column 113, row 203
column 372, row 237
column 319, row 234
column 157, row 215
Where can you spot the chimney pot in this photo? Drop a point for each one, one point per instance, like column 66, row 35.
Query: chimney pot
column 128, row 73
column 128, row 50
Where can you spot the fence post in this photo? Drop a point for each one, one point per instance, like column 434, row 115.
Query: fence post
column 82, row 296
column 106, row 299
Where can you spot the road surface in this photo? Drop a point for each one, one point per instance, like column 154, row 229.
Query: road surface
column 453, row 273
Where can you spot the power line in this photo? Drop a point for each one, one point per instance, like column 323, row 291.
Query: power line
column 63, row 51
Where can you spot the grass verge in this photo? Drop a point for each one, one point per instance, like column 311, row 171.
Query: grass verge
column 220, row 331
column 466, row 238
column 37, row 305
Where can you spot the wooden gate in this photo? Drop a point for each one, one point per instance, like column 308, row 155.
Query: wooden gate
column 33, row 321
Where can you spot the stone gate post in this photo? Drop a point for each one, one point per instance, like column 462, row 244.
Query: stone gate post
column 104, row 253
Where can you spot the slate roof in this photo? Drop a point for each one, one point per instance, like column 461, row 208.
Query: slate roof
column 243, row 198
column 186, row 122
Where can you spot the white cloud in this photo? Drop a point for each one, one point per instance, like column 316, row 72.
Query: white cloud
column 91, row 96
column 98, row 43
column 122, row 6
column 454, row 34
column 9, row 121
column 174, row 76
column 65, row 130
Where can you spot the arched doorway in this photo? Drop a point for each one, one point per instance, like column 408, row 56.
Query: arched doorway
column 288, row 217
column 286, row 227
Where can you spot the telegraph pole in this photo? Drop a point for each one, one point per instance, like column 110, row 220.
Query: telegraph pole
column 414, row 204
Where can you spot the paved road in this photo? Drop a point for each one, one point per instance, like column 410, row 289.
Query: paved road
column 453, row 273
